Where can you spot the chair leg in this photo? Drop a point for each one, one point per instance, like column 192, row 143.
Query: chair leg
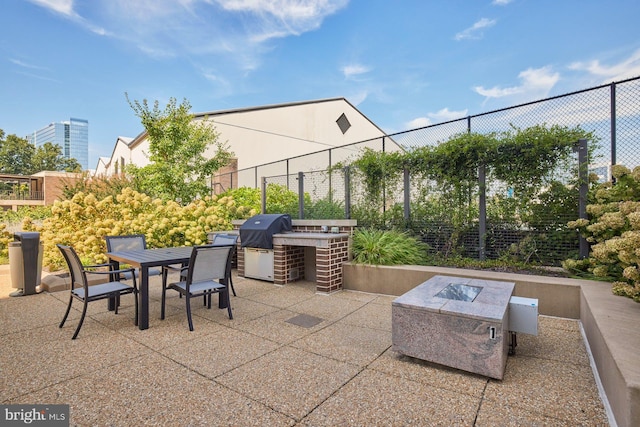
column 226, row 293
column 66, row 314
column 188, row 301
column 231, row 284
column 84, row 313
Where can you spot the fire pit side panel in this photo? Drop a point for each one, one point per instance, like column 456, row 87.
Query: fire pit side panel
column 454, row 341
column 472, row 336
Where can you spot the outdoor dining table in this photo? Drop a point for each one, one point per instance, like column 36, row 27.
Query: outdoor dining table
column 143, row 260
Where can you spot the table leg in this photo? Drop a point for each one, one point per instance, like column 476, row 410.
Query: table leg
column 143, row 314
column 111, row 305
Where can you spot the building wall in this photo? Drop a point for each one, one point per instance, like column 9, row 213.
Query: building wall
column 53, row 184
column 120, row 157
column 262, row 136
column 273, row 133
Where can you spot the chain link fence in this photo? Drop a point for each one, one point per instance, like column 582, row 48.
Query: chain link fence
column 450, row 224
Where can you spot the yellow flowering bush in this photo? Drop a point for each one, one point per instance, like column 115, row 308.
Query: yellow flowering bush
column 84, row 220
column 613, row 230
column 5, row 238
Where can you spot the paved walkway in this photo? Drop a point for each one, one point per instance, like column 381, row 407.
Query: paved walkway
column 263, row 369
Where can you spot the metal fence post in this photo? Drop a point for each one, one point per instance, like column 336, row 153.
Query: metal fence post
column 407, row 195
column 264, row 195
column 583, row 179
column 482, row 212
column 613, row 125
column 301, row 195
column 347, row 192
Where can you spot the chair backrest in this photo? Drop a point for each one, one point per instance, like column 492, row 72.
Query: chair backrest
column 225, row 239
column 78, row 278
column 209, row 262
column 131, row 242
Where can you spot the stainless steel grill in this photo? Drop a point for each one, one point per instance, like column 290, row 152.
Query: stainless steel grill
column 256, row 239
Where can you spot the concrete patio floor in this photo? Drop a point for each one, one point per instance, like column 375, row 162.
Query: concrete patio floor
column 260, row 369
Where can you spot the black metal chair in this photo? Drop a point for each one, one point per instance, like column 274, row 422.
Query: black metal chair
column 81, row 290
column 219, row 239
column 227, row 239
column 130, row 242
column 207, row 273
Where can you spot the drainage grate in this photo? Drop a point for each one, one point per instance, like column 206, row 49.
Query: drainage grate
column 304, row 320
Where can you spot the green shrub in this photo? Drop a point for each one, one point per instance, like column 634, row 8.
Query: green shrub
column 387, row 247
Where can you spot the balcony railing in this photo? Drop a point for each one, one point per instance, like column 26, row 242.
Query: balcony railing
column 13, row 195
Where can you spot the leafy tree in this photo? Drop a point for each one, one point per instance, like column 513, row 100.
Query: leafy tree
column 49, row 157
column 18, row 156
column 178, row 169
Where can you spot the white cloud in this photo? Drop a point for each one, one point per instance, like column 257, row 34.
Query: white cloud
column 419, row 122
column 64, row 7
column 358, row 98
column 627, row 68
column 443, row 115
column 475, row 31
column 354, row 70
column 281, row 18
column 501, row 2
column 26, row 65
column 205, row 32
column 535, row 83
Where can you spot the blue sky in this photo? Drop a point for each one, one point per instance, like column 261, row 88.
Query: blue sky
column 403, row 63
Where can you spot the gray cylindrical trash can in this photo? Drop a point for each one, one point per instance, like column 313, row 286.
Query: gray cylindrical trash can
column 25, row 260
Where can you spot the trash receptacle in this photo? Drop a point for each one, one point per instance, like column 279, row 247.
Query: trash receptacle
column 25, row 262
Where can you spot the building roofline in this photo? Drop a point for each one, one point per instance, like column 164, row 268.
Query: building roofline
column 141, row 135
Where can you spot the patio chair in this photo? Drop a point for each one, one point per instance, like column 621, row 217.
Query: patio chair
column 218, row 240
column 81, row 290
column 130, row 242
column 228, row 239
column 207, row 273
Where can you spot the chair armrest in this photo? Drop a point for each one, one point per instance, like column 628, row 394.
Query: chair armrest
column 124, row 270
column 106, row 264
column 172, row 268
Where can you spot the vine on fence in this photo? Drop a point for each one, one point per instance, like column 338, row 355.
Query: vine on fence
column 445, row 189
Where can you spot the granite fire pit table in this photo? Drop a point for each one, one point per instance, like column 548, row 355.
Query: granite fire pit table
column 457, row 322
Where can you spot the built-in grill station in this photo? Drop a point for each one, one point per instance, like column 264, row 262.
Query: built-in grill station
column 256, row 239
column 280, row 250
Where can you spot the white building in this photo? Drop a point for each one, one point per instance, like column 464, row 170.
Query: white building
column 271, row 133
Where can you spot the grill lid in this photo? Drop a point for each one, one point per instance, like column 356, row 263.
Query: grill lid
column 258, row 231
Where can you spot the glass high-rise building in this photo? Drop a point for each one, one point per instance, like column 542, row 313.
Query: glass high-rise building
column 72, row 136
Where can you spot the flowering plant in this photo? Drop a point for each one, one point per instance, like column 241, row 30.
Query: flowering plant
column 84, row 220
column 613, row 230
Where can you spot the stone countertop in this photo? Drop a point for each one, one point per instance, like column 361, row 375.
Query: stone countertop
column 490, row 303
column 294, row 235
column 303, row 235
